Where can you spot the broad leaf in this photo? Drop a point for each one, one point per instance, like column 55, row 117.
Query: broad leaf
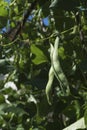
column 38, row 55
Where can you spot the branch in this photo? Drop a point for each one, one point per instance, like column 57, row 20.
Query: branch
column 14, row 32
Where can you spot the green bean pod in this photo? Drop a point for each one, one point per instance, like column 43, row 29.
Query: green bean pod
column 50, row 79
column 58, row 70
column 49, row 86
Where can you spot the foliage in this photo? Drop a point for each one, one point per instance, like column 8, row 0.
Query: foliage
column 25, row 63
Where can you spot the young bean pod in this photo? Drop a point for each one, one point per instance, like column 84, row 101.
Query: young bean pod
column 58, row 70
column 50, row 80
column 49, row 86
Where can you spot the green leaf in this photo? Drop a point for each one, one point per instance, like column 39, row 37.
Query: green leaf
column 14, row 109
column 83, row 65
column 2, row 98
column 31, row 109
column 1, row 121
column 43, row 107
column 39, row 56
column 20, row 127
column 3, row 9
column 2, row 62
column 3, row 13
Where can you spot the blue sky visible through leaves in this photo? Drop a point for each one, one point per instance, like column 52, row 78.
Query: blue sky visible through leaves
column 44, row 20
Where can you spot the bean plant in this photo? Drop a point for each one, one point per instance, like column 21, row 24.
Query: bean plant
column 43, row 64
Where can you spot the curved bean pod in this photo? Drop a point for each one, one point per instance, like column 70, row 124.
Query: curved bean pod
column 58, row 70
column 50, row 79
column 49, row 86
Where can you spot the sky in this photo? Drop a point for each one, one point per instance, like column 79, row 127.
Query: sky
column 46, row 21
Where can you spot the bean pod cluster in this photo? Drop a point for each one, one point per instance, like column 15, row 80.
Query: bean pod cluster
column 56, row 70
